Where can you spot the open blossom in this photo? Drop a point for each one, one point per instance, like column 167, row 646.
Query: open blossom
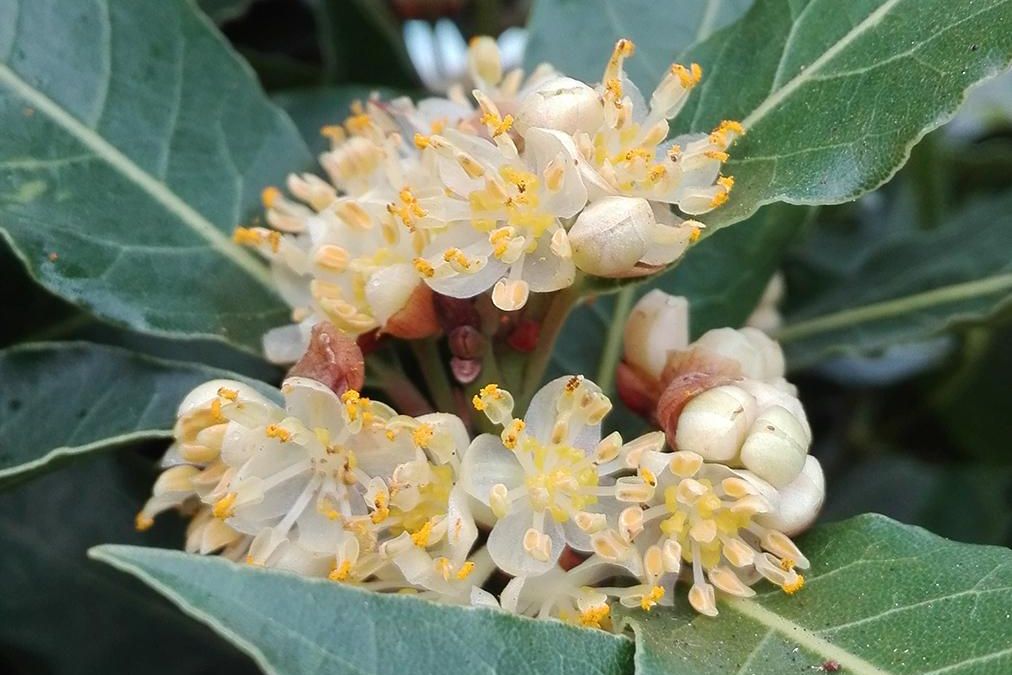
column 506, row 209
column 547, row 477
column 326, row 486
column 511, row 190
column 709, row 517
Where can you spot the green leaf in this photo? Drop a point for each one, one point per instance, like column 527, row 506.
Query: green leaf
column 576, row 36
column 67, row 615
column 833, row 98
column 881, row 598
column 361, row 42
column 290, row 624
column 916, row 285
column 314, row 108
column 134, row 141
column 62, row 400
column 224, row 10
column 984, row 515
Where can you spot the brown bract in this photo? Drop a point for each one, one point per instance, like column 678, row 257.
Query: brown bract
column 417, row 319
column 332, row 358
column 686, row 375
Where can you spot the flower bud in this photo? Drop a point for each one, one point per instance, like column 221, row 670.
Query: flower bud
column 561, row 103
column 610, row 236
column 776, row 446
column 467, row 342
column 714, row 423
column 658, row 324
column 800, row 501
column 759, row 356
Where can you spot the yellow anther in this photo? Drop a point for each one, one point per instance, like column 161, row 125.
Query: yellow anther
column 216, row 411
column 725, row 132
column 674, row 152
column 637, row 153
column 421, row 537
column 270, row 196
column 689, row 77
column 511, row 434
column 595, row 616
column 726, row 182
column 382, row 508
column 792, row 587
column 341, row 572
column 718, row 155
column 391, row 434
column 358, row 124
column 424, row 267
column 656, row 173
column 247, row 236
column 624, row 47
column 719, row 199
column 143, row 522
column 465, row 570
column 650, row 599
column 224, row 507
column 497, row 125
column 422, row 435
column 226, row 393
column 696, row 233
column 278, row 432
column 333, row 132
column 422, row 141
column 648, row 476
column 350, row 396
column 274, row 238
column 458, row 258
column 489, row 391
column 787, row 564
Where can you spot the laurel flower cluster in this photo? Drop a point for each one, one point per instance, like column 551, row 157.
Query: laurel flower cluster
column 345, row 488
column 513, row 190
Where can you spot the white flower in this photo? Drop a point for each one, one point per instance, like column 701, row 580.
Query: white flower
column 709, row 516
column 544, row 477
column 505, row 208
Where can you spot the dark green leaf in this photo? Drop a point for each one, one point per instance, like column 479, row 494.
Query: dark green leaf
column 834, row 96
column 311, row 109
column 915, row 285
column 63, row 400
column 290, row 624
column 361, row 42
column 66, row 615
column 576, row 36
column 984, row 515
column 134, row 141
column 881, row 598
column 224, row 10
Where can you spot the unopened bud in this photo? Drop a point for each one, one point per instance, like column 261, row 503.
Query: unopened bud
column 561, row 103
column 800, row 501
column 611, row 235
column 465, row 371
column 776, row 446
column 760, row 357
column 658, row 324
column 714, row 423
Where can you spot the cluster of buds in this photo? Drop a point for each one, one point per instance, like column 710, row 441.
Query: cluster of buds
column 513, row 190
column 725, row 398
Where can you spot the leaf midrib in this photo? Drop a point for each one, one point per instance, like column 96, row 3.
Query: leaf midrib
column 797, row 633
column 136, row 175
column 896, row 306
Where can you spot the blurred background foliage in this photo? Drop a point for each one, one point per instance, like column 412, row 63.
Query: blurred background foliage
column 916, row 427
